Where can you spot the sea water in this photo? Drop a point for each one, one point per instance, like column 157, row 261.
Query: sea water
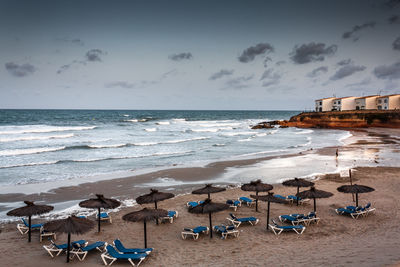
column 38, row 146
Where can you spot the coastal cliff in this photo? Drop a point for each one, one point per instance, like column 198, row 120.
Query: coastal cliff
column 341, row 119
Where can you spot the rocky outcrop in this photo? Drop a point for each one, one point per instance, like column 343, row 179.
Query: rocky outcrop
column 262, row 125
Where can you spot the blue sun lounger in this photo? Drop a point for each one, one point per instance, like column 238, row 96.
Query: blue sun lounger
column 288, row 200
column 104, row 216
column 121, row 248
column 113, row 255
column 24, row 228
column 294, row 199
column 171, row 215
column 233, row 203
column 238, row 221
column 57, row 249
column 246, row 200
column 81, row 252
column 225, row 231
column 192, row 204
column 194, row 232
column 278, row 229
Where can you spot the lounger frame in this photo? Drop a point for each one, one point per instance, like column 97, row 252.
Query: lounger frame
column 195, row 236
column 278, row 230
column 81, row 255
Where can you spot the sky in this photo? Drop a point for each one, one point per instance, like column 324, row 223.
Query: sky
column 203, row 55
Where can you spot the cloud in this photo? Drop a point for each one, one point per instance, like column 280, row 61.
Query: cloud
column 66, row 67
column 391, row 3
column 250, row 53
column 357, row 28
column 94, row 55
column 394, row 19
column 270, row 77
column 346, row 71
column 390, row 72
column 180, row 56
column 396, row 44
column 344, row 62
column 220, row 74
column 311, row 52
column 318, row 71
column 239, row 82
column 364, row 82
column 122, row 84
column 281, row 62
column 75, row 41
column 19, row 70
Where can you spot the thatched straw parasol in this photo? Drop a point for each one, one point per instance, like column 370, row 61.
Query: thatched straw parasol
column 355, row 188
column 70, row 225
column 29, row 210
column 98, row 203
column 208, row 189
column 154, row 196
column 314, row 193
column 298, row 182
column 208, row 207
column 145, row 215
column 257, row 186
column 269, row 198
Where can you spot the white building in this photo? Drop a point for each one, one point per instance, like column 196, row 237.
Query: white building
column 344, row 103
column 366, row 102
column 387, row 102
column 324, row 104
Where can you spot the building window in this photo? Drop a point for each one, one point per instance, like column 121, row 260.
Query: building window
column 334, row 102
column 379, row 101
column 338, row 102
column 385, row 101
column 320, row 102
column 379, row 107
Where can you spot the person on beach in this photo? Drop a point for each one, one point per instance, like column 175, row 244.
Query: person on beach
column 337, row 152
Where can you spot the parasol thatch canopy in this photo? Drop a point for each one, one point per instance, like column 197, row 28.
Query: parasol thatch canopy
column 298, row 182
column 70, row 225
column 314, row 194
column 154, row 196
column 257, row 186
column 269, row 198
column 29, row 210
column 145, row 215
column 100, row 202
column 355, row 188
column 208, row 189
column 208, row 207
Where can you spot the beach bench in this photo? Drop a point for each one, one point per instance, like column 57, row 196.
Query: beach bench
column 81, row 251
column 170, row 217
column 194, row 232
column 278, row 229
column 233, row 204
column 249, row 202
column 113, row 255
column 54, row 250
column 238, row 221
column 226, row 231
column 121, row 248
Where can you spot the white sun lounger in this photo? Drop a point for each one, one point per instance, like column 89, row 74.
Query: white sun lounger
column 194, row 232
column 54, row 250
column 278, row 229
column 81, row 251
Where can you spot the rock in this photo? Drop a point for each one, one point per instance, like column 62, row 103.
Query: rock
column 262, row 125
column 283, row 126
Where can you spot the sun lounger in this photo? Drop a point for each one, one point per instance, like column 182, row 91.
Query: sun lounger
column 233, row 203
column 311, row 218
column 194, row 232
column 294, row 199
column 226, row 231
column 104, row 216
column 249, row 202
column 368, row 209
column 278, row 229
column 238, row 221
column 192, row 204
column 171, row 215
column 288, row 200
column 121, row 248
column 48, row 234
column 24, row 228
column 54, row 250
column 354, row 213
column 113, row 255
column 81, row 251
column 291, row 219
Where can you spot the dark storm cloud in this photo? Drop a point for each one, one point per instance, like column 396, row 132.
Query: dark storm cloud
column 250, row 53
column 75, row 41
column 318, row 71
column 391, row 3
column 239, row 82
column 311, row 52
column 220, row 74
column 357, row 28
column 344, row 62
column 180, row 56
column 346, row 71
column 19, row 70
column 394, row 19
column 390, row 72
column 270, row 77
column 94, row 55
column 396, row 44
column 122, row 84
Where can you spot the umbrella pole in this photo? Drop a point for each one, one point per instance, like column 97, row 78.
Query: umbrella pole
column 145, row 234
column 256, row 201
column 211, row 230
column 155, row 205
column 356, row 199
column 68, row 246
column 315, row 205
column 209, row 195
column 351, row 183
column 29, row 234
column 268, row 215
column 98, row 219
column 297, row 198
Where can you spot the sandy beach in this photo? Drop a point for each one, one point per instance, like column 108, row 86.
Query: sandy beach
column 336, row 240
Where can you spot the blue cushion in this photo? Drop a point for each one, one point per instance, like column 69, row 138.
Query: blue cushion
column 118, row 244
column 247, row 219
column 65, row 246
column 246, row 199
column 199, row 229
column 113, row 253
column 289, row 218
column 171, row 213
column 93, row 246
column 290, row 226
column 38, row 225
column 192, row 204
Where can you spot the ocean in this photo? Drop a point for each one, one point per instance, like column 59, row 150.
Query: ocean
column 40, row 146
